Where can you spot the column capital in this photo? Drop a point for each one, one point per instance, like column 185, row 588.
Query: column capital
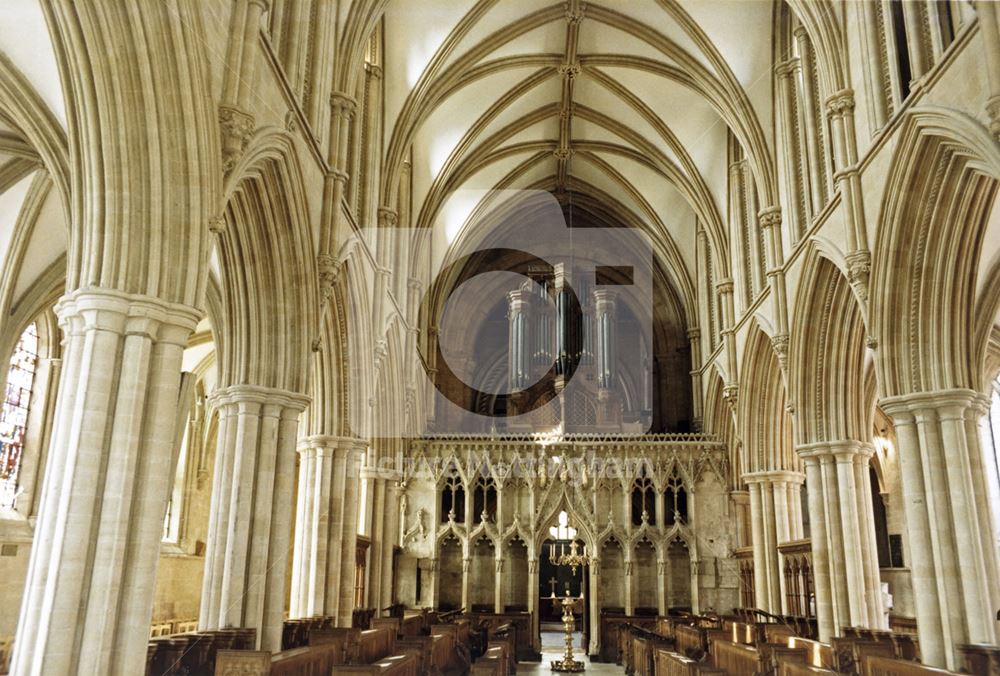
column 769, row 216
column 342, row 104
column 948, row 403
column 333, row 442
column 387, row 217
column 774, row 476
column 842, row 450
column 101, row 309
column 724, row 285
column 235, row 394
column 841, row 102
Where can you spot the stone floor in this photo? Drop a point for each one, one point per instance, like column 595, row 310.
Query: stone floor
column 552, row 649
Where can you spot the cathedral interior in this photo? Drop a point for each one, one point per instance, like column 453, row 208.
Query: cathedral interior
column 437, row 337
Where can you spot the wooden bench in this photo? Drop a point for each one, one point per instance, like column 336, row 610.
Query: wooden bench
column 608, row 632
column 737, row 659
column 521, row 630
column 494, row 662
column 670, row 663
column 318, row 660
column 879, row 665
column 981, row 658
column 818, row 654
column 194, row 652
column 396, row 665
column 295, row 632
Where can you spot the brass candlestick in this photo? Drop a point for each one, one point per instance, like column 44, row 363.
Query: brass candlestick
column 567, row 663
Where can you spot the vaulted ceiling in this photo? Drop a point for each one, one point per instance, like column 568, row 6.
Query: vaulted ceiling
column 629, row 102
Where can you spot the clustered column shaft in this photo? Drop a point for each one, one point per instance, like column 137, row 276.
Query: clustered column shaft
column 845, row 564
column 91, row 577
column 954, row 559
column 326, row 527
column 249, row 531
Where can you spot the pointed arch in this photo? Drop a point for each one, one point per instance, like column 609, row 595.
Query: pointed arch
column 929, row 243
column 762, row 415
column 827, row 372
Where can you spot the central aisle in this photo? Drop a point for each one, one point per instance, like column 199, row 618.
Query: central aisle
column 552, row 649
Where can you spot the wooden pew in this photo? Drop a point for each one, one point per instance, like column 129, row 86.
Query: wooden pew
column 849, row 652
column 802, row 669
column 818, row 654
column 521, row 623
column 317, row 660
column 980, row 658
column 494, row 662
column 670, row 663
column 879, row 665
column 374, row 644
column 608, row 630
column 737, row 659
column 396, row 665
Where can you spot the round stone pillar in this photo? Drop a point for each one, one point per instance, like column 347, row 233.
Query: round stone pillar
column 250, row 521
column 88, row 599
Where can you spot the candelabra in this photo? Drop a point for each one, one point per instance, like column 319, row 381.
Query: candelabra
column 573, row 559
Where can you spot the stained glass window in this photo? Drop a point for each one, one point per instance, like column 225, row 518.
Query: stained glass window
column 14, row 416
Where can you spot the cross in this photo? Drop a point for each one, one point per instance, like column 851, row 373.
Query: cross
column 552, row 583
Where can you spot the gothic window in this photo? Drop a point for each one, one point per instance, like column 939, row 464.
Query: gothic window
column 675, row 501
column 643, row 498
column 484, row 500
column 14, row 417
column 453, row 500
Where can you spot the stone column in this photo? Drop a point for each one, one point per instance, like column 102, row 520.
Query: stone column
column 326, row 527
column 250, row 523
column 533, row 599
column 773, row 524
column 595, row 601
column 88, row 600
column 954, row 557
column 845, row 564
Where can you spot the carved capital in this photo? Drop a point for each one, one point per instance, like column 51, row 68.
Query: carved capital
column 840, row 103
column 237, row 127
column 769, row 217
column 217, row 225
column 787, row 68
column 729, row 395
column 724, row 286
column 780, row 345
column 329, row 271
column 342, row 104
column 387, row 218
column 373, row 71
column 859, row 267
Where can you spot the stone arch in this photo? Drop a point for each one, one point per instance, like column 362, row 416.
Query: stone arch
column 267, row 271
column 762, row 416
column 827, row 365
column 929, row 242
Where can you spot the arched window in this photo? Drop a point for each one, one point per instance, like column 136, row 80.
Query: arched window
column 14, row 417
column 484, row 500
column 453, row 500
column 675, row 502
column 643, row 499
